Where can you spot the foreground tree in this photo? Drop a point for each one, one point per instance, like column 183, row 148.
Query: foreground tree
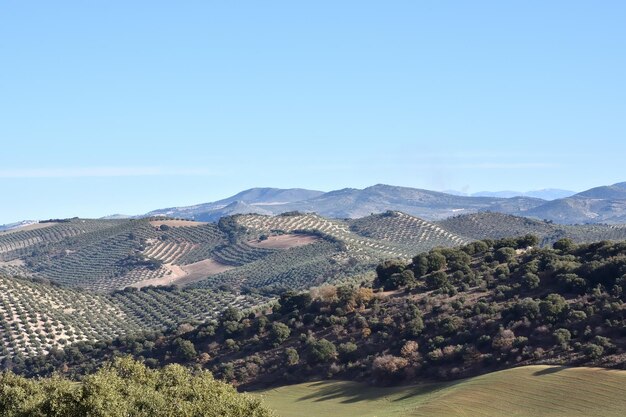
column 127, row 388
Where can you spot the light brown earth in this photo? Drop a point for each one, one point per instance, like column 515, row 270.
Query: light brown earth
column 186, row 274
column 15, row 262
column 176, row 223
column 284, row 241
column 33, row 226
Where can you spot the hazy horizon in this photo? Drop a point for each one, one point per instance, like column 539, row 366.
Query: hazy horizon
column 101, row 214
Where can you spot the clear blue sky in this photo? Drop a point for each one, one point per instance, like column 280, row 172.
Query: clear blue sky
column 128, row 106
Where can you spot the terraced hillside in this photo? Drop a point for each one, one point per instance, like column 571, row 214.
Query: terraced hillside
column 21, row 242
column 383, row 236
column 105, row 255
column 157, row 308
column 489, row 225
column 529, row 391
column 36, row 317
column 399, row 228
column 108, row 255
column 254, row 255
column 298, row 268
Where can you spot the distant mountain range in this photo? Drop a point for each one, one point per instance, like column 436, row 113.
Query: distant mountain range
column 605, row 204
column 547, row 194
column 350, row 203
column 598, row 205
column 254, row 200
column 11, row 226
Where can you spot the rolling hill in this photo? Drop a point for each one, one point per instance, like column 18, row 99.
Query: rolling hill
column 247, row 260
column 490, row 225
column 450, row 314
column 597, row 205
column 528, row 391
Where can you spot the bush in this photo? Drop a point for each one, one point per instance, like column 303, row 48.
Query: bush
column 530, row 281
column 292, row 301
column 593, row 351
column 572, row 282
column 321, row 351
column 185, row 349
column 436, row 261
column 410, row 350
column 436, row 280
column 279, row 332
column 388, row 366
column 348, row 351
column 504, row 255
column 562, row 337
column 292, row 356
column 415, row 327
column 552, row 307
column 127, row 388
column 564, row 245
column 386, row 270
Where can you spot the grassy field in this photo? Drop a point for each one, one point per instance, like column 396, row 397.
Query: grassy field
column 527, row 391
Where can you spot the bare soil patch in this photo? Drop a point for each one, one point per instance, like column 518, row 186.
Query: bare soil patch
column 284, row 241
column 176, row 223
column 33, row 226
column 15, row 262
column 186, row 274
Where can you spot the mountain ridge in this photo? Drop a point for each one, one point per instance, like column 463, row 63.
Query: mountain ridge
column 604, row 204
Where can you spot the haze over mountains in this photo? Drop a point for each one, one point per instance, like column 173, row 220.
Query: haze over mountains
column 605, row 204
column 545, row 194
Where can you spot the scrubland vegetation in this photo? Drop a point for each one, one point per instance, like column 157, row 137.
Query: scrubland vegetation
column 347, row 302
column 448, row 314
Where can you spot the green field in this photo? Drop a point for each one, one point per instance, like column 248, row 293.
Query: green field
column 528, row 391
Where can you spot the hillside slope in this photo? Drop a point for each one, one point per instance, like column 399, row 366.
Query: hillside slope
column 605, row 204
column 529, row 391
column 449, row 314
column 490, row 225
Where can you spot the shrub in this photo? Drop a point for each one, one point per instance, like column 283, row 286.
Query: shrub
column 410, row 350
column 388, row 366
column 127, row 388
column 530, row 281
column 279, row 332
column 564, row 245
column 562, row 337
column 572, row 282
column 185, row 349
column 437, row 279
column 552, row 307
column 321, row 351
column 415, row 327
column 504, row 255
column 292, row 357
column 348, row 351
column 593, row 351
column 436, row 261
column 504, row 340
